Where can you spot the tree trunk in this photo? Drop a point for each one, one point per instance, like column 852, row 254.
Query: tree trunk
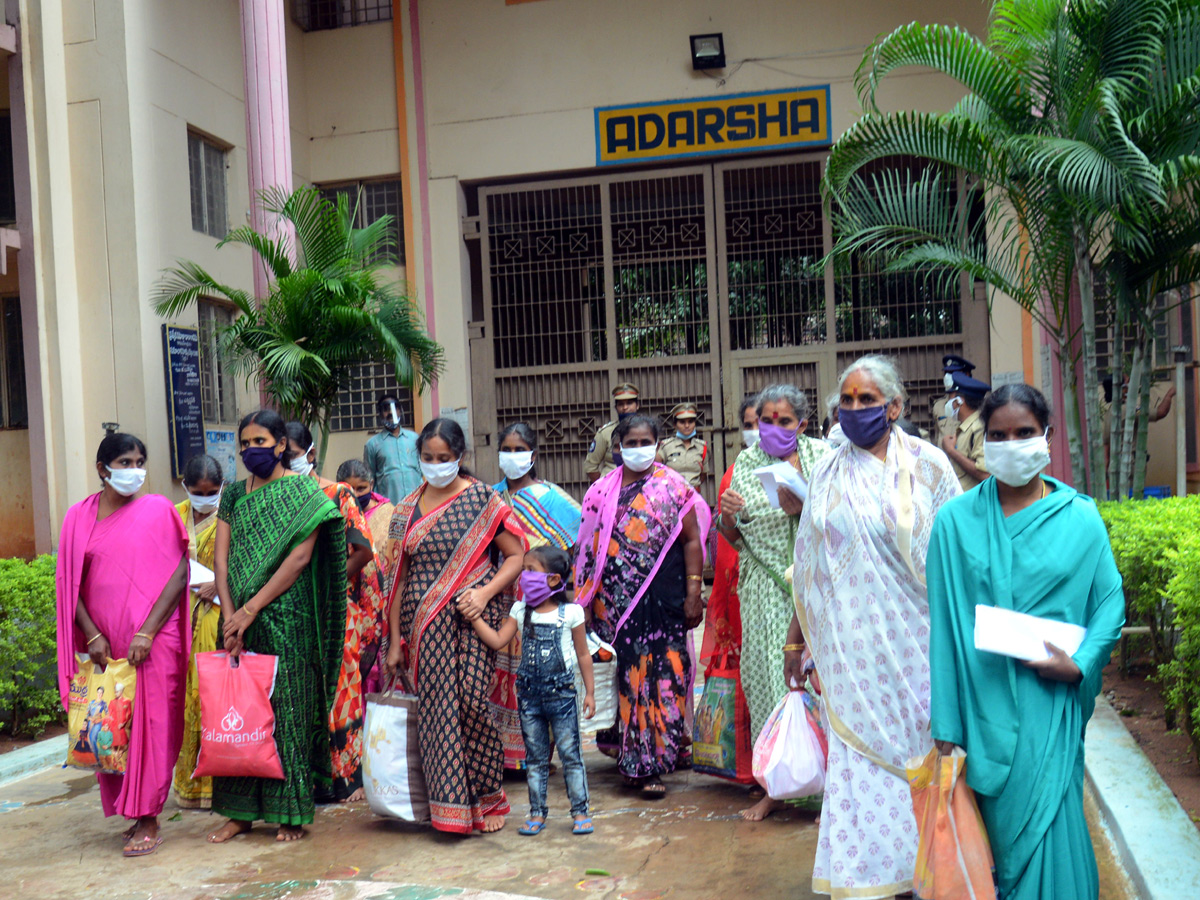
column 1125, row 482
column 1091, row 394
column 1071, row 412
column 1115, row 422
column 1141, row 453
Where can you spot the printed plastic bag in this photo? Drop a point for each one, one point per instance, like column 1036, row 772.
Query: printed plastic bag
column 100, row 715
column 237, row 722
column 604, row 682
column 954, row 858
column 721, row 743
column 393, row 779
column 789, row 755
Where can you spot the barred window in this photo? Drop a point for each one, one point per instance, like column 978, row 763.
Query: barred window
column 361, row 391
column 218, row 397
column 320, row 15
column 206, row 171
column 368, row 201
column 14, row 411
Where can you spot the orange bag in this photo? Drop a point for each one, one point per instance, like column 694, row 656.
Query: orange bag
column 954, row 858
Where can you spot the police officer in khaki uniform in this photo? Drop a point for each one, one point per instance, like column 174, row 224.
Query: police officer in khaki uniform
column 601, row 458
column 965, row 446
column 684, row 451
column 950, row 364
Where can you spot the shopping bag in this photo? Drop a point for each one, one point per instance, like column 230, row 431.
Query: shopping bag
column 393, row 779
column 604, row 684
column 237, row 721
column 721, row 742
column 100, row 715
column 954, row 858
column 789, row 760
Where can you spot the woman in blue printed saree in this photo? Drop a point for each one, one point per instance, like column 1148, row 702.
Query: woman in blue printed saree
column 1022, row 724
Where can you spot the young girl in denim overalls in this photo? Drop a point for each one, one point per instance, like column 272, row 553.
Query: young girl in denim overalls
column 552, row 644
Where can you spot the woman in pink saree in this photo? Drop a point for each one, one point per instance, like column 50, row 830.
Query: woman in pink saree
column 122, row 592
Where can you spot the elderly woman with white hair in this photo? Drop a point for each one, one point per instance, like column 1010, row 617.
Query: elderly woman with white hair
column 764, row 536
column 863, row 613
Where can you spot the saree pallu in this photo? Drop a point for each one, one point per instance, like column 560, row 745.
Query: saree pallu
column 364, row 607
column 631, row 569
column 549, row 516
column 1009, row 719
column 196, row 793
column 441, row 554
column 118, row 568
column 765, row 552
column 304, row 627
column 379, row 517
column 860, row 598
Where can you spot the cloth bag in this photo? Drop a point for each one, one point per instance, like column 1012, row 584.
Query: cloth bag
column 790, row 753
column 100, row 715
column 954, row 857
column 237, row 721
column 393, row 779
column 721, row 742
column 604, row 683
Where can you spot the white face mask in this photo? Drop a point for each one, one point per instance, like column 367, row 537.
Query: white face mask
column 749, row 436
column 638, row 459
column 1016, row 463
column 440, row 474
column 952, row 408
column 126, row 482
column 948, row 381
column 204, row 504
column 514, row 464
column 300, row 465
column 837, row 437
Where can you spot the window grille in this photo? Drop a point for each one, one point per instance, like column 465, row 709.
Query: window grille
column 361, row 391
column 14, row 411
column 368, row 200
column 321, row 15
column 206, row 171
column 218, row 396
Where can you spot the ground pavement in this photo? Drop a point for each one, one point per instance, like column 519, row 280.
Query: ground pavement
column 690, row 845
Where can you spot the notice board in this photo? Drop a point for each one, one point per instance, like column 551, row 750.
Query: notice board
column 185, row 415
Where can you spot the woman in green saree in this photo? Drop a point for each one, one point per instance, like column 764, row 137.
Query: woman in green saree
column 281, row 578
column 1022, row 723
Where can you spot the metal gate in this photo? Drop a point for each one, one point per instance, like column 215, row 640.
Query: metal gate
column 701, row 283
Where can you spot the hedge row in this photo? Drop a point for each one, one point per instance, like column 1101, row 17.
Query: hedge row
column 28, row 690
column 1156, row 544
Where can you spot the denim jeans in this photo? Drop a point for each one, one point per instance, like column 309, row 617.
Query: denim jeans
column 542, row 710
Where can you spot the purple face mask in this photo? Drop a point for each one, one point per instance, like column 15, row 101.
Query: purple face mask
column 864, row 427
column 776, row 440
column 260, row 461
column 535, row 589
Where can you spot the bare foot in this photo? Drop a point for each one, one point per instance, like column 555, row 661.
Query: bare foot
column 761, row 809
column 228, row 831
column 492, row 823
column 143, row 833
column 357, row 797
column 289, row 833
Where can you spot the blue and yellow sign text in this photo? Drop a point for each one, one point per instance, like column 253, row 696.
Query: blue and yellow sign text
column 739, row 123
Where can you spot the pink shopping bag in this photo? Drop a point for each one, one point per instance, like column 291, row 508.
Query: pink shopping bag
column 237, row 722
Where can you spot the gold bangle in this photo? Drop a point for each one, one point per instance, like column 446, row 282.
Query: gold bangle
column 99, row 634
column 793, row 648
column 148, row 637
column 695, row 578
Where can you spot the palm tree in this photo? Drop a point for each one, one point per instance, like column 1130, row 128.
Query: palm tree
column 329, row 307
column 1041, row 134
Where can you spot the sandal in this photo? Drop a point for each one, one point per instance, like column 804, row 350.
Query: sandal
column 144, row 847
column 583, row 826
column 532, row 827
column 653, row 788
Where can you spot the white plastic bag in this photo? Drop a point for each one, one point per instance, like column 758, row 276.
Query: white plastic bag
column 606, row 694
column 392, row 776
column 788, row 759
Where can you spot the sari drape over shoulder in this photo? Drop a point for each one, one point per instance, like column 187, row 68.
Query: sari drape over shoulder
column 860, row 597
column 440, row 554
column 1023, row 734
column 118, row 568
column 304, row 627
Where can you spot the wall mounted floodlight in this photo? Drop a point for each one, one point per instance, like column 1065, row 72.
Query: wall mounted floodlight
column 110, row 427
column 708, row 51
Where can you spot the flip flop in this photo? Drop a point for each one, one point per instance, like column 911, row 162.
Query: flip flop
column 144, row 847
column 531, row 827
column 582, row 826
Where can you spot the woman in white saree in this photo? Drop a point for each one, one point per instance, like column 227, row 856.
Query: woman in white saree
column 859, row 584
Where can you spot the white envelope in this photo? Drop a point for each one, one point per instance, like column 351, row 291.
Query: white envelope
column 781, row 474
column 1021, row 636
column 200, row 574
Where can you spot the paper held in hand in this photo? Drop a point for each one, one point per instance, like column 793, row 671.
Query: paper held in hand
column 782, row 474
column 200, row 574
column 1022, row 636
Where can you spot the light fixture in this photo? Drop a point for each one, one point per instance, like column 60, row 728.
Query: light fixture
column 708, row 51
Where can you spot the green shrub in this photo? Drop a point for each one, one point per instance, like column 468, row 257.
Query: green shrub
column 28, row 678
column 1181, row 676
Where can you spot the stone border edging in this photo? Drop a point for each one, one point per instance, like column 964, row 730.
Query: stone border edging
column 1159, row 846
column 28, row 760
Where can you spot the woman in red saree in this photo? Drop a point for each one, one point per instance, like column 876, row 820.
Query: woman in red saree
column 444, row 543
column 116, row 604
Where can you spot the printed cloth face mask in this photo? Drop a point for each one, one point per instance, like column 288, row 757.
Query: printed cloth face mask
column 440, row 474
column 126, row 482
column 515, row 463
column 1016, row 463
column 638, row 459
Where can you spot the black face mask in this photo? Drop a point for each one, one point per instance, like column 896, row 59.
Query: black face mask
column 364, row 501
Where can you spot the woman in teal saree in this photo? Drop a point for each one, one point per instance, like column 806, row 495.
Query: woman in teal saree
column 1033, row 545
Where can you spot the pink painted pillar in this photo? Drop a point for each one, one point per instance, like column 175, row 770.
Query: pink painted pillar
column 268, row 126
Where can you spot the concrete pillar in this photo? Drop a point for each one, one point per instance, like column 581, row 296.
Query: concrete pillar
column 268, row 127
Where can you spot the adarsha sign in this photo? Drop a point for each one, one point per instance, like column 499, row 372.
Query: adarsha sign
column 739, row 123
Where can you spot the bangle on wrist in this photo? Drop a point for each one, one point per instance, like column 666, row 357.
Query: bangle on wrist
column 793, row 648
column 148, row 637
column 695, row 578
column 95, row 638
